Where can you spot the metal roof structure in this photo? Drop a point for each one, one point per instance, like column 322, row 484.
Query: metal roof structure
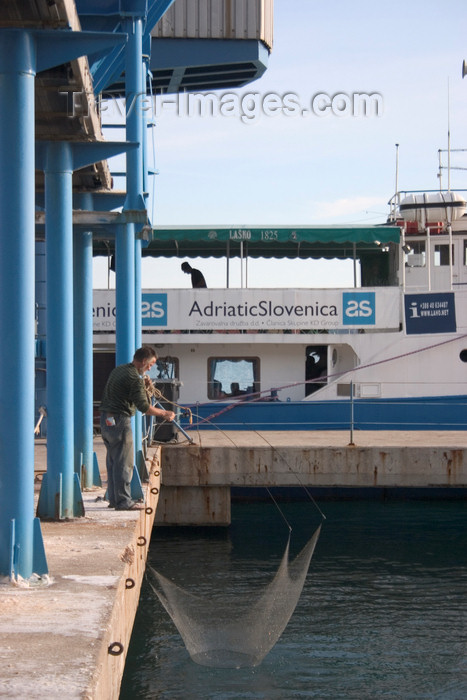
column 197, row 65
column 199, row 46
column 65, row 106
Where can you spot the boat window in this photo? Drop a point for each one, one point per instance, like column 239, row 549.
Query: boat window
column 165, row 368
column 232, row 377
column 465, row 252
column 315, row 367
column 416, row 256
column 103, row 364
column 441, row 257
column 463, row 355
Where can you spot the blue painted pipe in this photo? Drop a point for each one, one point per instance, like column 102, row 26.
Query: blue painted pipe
column 135, row 103
column 127, row 252
column 83, row 351
column 125, row 293
column 17, row 71
column 60, row 346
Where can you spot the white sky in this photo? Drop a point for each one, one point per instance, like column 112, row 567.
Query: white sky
column 290, row 170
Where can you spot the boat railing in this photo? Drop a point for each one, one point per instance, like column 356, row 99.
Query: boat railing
column 438, row 413
column 359, row 406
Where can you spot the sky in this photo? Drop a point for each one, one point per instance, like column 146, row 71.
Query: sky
column 324, row 163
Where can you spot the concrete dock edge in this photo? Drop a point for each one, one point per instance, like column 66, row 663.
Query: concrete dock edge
column 106, row 680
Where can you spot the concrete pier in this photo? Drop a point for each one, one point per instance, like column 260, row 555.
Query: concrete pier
column 196, row 479
column 69, row 639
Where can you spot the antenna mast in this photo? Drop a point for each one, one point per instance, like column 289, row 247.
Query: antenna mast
column 397, row 168
column 449, row 142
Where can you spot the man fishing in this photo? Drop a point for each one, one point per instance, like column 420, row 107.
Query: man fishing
column 125, row 393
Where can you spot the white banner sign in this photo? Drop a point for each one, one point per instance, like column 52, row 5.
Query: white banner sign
column 258, row 309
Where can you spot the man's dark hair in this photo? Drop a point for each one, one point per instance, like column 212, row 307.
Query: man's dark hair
column 144, row 353
column 186, row 267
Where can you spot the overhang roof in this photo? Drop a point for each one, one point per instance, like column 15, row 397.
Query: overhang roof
column 265, row 242
column 197, row 65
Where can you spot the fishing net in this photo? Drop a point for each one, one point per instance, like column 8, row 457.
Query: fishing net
column 227, row 635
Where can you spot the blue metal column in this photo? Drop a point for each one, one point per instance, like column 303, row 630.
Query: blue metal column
column 135, row 191
column 146, row 114
column 60, row 492
column 21, row 547
column 144, row 422
column 85, row 458
column 140, row 462
column 130, row 268
column 125, row 293
column 135, row 88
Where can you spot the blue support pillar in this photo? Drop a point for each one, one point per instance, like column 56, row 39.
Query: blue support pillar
column 85, row 459
column 147, row 111
column 135, row 96
column 21, row 547
column 60, row 493
column 134, row 133
column 125, row 246
column 146, row 425
column 140, row 462
column 125, row 293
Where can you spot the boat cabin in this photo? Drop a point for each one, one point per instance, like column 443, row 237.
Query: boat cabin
column 218, row 346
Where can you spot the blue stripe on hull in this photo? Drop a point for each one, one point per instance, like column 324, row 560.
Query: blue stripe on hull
column 424, row 413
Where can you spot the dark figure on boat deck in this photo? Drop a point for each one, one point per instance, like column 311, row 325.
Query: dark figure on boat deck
column 197, row 277
column 123, row 394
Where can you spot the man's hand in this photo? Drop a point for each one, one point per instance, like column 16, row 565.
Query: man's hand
column 162, row 413
column 168, row 415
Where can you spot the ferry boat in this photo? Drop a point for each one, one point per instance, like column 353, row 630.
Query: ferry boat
column 389, row 354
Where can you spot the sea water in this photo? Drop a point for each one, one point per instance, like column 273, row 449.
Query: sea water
column 383, row 613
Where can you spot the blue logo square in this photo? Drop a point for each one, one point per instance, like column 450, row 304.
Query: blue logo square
column 359, row 308
column 430, row 313
column 154, row 310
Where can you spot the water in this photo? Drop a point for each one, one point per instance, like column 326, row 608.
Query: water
column 382, row 613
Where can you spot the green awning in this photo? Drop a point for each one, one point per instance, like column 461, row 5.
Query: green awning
column 267, row 242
